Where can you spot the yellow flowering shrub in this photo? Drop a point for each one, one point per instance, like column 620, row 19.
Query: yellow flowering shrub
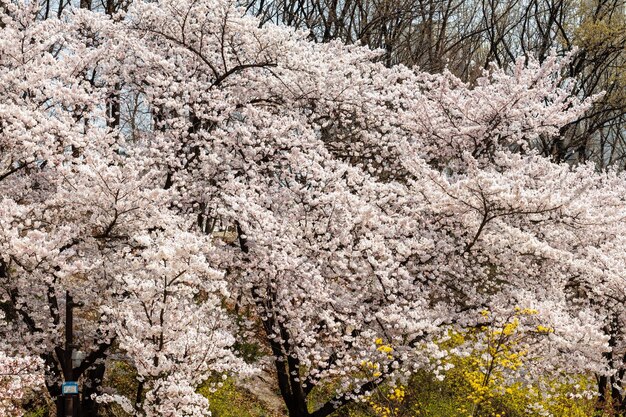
column 388, row 401
column 486, row 377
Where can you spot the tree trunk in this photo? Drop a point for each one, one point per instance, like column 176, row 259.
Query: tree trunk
column 95, row 375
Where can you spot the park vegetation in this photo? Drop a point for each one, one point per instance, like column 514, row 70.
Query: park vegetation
column 393, row 208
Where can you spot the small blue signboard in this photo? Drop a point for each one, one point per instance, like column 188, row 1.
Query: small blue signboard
column 69, row 388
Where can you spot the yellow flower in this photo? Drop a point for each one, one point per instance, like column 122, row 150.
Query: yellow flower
column 509, row 328
column 544, row 329
column 385, row 349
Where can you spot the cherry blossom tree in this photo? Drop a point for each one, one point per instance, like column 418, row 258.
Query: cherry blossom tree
column 597, row 286
column 365, row 203
column 169, row 321
column 161, row 164
column 79, row 210
column 18, row 374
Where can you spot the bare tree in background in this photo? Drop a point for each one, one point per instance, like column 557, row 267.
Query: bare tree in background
column 467, row 36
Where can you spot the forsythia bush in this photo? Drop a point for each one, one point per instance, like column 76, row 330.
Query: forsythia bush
column 487, row 378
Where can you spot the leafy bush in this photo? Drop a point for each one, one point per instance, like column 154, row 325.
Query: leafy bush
column 226, row 399
column 485, row 378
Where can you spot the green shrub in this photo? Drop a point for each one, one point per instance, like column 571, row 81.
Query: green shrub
column 226, row 399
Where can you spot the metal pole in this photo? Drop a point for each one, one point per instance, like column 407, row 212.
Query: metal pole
column 69, row 336
column 68, row 405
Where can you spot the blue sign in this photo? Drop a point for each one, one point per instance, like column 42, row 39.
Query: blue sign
column 70, row 387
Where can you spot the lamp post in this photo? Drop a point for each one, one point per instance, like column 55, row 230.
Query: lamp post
column 68, row 403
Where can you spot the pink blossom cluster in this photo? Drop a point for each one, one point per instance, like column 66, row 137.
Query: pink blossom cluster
column 186, row 176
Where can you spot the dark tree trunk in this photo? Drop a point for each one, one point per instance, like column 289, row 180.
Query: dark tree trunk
column 94, row 376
